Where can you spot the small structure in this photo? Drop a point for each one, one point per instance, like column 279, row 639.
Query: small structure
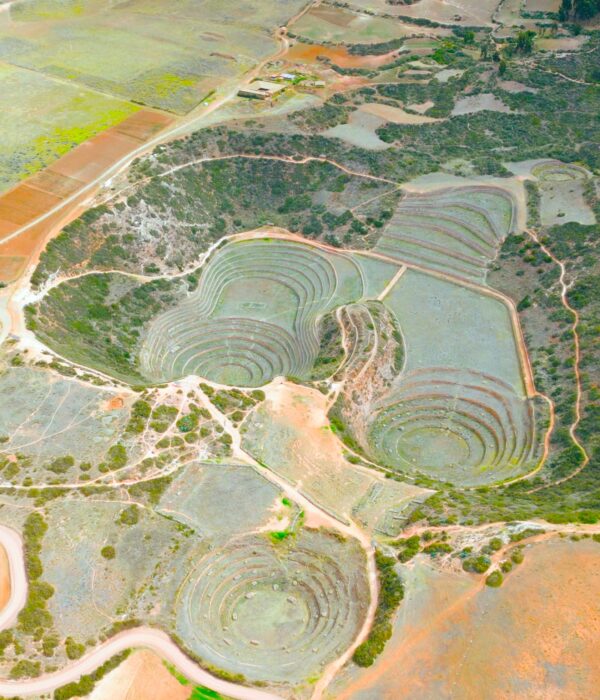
column 288, row 76
column 315, row 83
column 261, row 90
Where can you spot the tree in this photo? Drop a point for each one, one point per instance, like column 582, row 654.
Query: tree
column 585, row 9
column 525, row 41
column 565, row 10
column 494, row 580
column 578, row 9
column 485, row 48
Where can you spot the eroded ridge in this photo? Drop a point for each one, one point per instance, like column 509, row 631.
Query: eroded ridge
column 253, row 317
column 456, row 230
column 275, row 611
column 455, row 424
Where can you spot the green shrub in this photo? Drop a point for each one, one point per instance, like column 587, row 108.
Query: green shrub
column 391, row 592
column 477, row 564
column 495, row 544
column 108, row 552
column 73, row 649
column 494, row 580
column 25, row 669
column 129, row 515
column 517, row 556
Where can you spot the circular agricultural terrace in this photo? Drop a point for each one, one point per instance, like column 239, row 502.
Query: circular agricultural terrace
column 555, row 171
column 275, row 612
column 460, row 426
column 252, row 318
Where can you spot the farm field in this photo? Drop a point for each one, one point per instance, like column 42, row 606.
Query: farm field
column 476, row 329
column 142, row 676
column 456, row 230
column 170, row 75
column 247, row 336
column 23, row 204
column 59, row 117
column 459, row 410
column 70, row 70
column 285, row 609
column 337, row 25
column 460, row 12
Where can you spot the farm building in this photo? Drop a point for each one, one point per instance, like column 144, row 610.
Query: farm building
column 261, row 90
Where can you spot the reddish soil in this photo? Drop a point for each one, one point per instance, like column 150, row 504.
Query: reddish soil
column 309, row 53
column 30, row 243
column 347, row 82
column 11, row 266
column 33, row 197
column 536, row 637
column 113, row 404
column 142, row 676
column 4, row 579
column 44, row 190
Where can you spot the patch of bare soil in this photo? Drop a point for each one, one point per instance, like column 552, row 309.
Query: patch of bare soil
column 113, row 404
column 395, row 114
column 4, row 578
column 536, row 637
column 142, row 676
column 310, row 53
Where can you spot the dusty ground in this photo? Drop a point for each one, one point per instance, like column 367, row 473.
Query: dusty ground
column 536, row 637
column 308, row 53
column 290, row 433
column 395, row 114
column 142, row 676
column 4, row 578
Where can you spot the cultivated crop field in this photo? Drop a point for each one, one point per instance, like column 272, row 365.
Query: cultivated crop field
column 455, row 231
column 338, row 25
column 59, row 116
column 460, row 12
column 128, row 49
column 71, row 69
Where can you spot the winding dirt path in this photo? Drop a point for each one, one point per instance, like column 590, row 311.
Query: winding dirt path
column 159, row 641
column 144, row 637
column 576, row 366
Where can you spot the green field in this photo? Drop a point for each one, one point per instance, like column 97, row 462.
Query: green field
column 59, row 116
column 457, row 231
column 458, row 411
column 71, row 68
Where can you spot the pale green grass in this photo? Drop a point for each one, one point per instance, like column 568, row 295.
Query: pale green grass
column 447, row 325
column 42, row 119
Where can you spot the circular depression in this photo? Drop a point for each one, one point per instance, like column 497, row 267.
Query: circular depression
column 275, row 612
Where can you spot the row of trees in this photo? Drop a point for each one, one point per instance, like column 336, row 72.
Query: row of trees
column 578, row 9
